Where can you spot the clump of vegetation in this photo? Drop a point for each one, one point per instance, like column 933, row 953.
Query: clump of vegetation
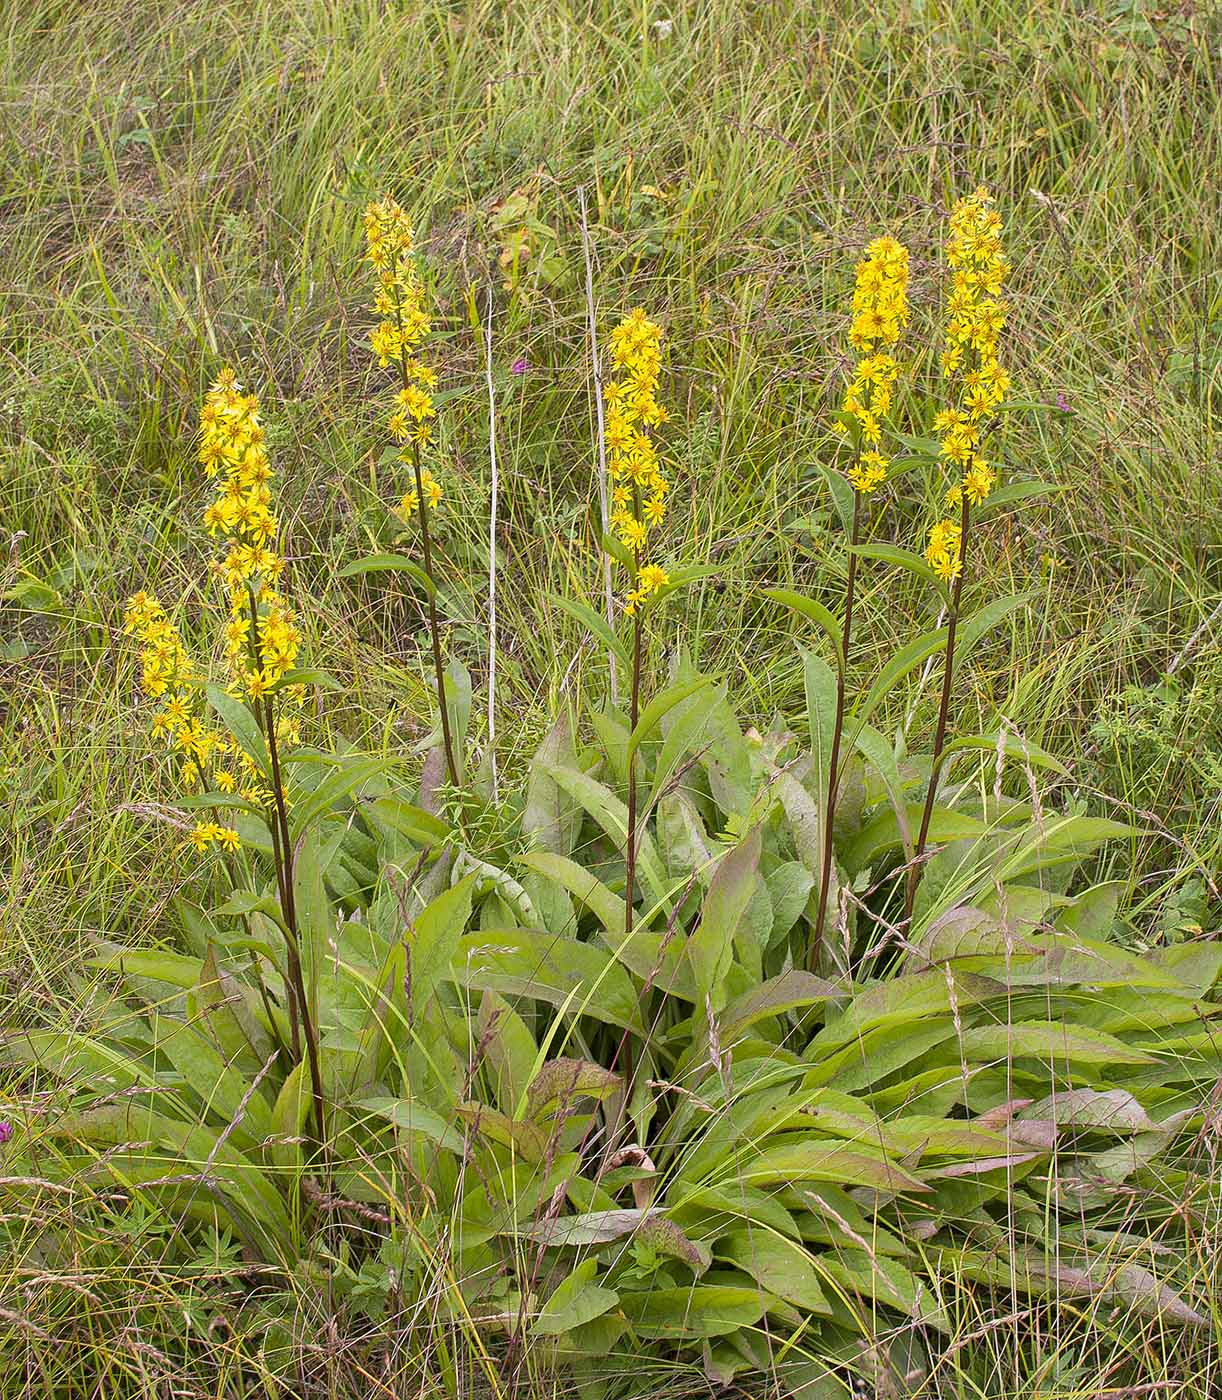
column 769, row 1052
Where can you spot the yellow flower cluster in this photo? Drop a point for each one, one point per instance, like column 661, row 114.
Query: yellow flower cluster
column 880, row 312
column 168, row 674
column 233, row 442
column 403, row 328
column 976, row 315
column 638, row 497
column 207, row 834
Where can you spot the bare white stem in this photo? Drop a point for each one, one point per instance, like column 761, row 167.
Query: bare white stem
column 491, row 550
column 604, row 512
column 1191, row 644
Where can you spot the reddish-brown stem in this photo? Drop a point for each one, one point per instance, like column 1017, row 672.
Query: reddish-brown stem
column 293, row 942
column 833, row 776
column 434, row 627
column 948, row 675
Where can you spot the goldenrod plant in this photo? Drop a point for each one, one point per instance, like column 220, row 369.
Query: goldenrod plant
column 976, row 315
column 396, row 340
column 641, row 1068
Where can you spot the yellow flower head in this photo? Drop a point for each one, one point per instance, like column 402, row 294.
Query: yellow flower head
column 880, row 312
column 404, row 326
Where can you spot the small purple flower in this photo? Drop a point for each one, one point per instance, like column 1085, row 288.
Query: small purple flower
column 6, row 1131
column 519, row 366
column 1063, row 403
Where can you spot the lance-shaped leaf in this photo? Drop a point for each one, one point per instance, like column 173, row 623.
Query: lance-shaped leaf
column 903, row 559
column 574, row 1302
column 564, row 1082
column 777, row 1264
column 817, row 1159
column 523, row 962
column 813, row 612
column 612, row 815
column 705, row 1310
column 1048, row 1040
column 242, row 724
column 710, row 947
column 660, row 705
column 389, row 564
column 772, row 998
column 596, row 625
column 552, row 818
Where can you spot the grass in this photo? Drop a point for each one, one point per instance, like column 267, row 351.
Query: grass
column 181, row 188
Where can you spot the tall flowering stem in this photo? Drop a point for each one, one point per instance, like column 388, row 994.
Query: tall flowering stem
column 976, row 315
column 262, row 640
column 880, row 312
column 402, row 330
column 638, row 501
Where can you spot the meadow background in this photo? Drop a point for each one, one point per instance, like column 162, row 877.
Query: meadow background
column 182, row 186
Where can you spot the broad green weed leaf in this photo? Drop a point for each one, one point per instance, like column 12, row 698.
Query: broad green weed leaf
column 831, row 626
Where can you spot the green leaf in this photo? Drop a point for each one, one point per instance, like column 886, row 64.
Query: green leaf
column 618, row 551
column 903, row 559
column 434, row 938
column 980, row 623
column 242, row 724
column 607, row 907
column 1016, row 493
column 408, row 820
column 244, row 902
column 1048, row 1040
column 883, row 832
column 810, row 1159
column 710, row 946
column 388, row 563
column 704, row 1310
column 612, row 815
column 576, row 977
column 308, row 676
column 551, row 817
column 576, row 1301
column 1012, row 745
column 596, row 625
column 660, row 705
column 777, row 1264
column 323, row 800
column 841, row 492
column 907, row 659
column 815, row 612
column 772, row 998
column 416, row 1119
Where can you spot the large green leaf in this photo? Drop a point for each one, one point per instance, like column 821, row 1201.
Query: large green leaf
column 710, row 948
column 1048, row 1040
column 704, row 1310
column 612, row 815
column 585, row 887
column 781, row 1266
column 815, row 612
column 577, row 1300
column 574, row 976
column 552, row 817
column 434, row 940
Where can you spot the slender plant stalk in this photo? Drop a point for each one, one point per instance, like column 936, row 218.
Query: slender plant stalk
column 293, row 943
column 634, row 714
column 492, row 513
column 833, row 777
column 948, row 675
column 427, row 549
column 434, row 627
